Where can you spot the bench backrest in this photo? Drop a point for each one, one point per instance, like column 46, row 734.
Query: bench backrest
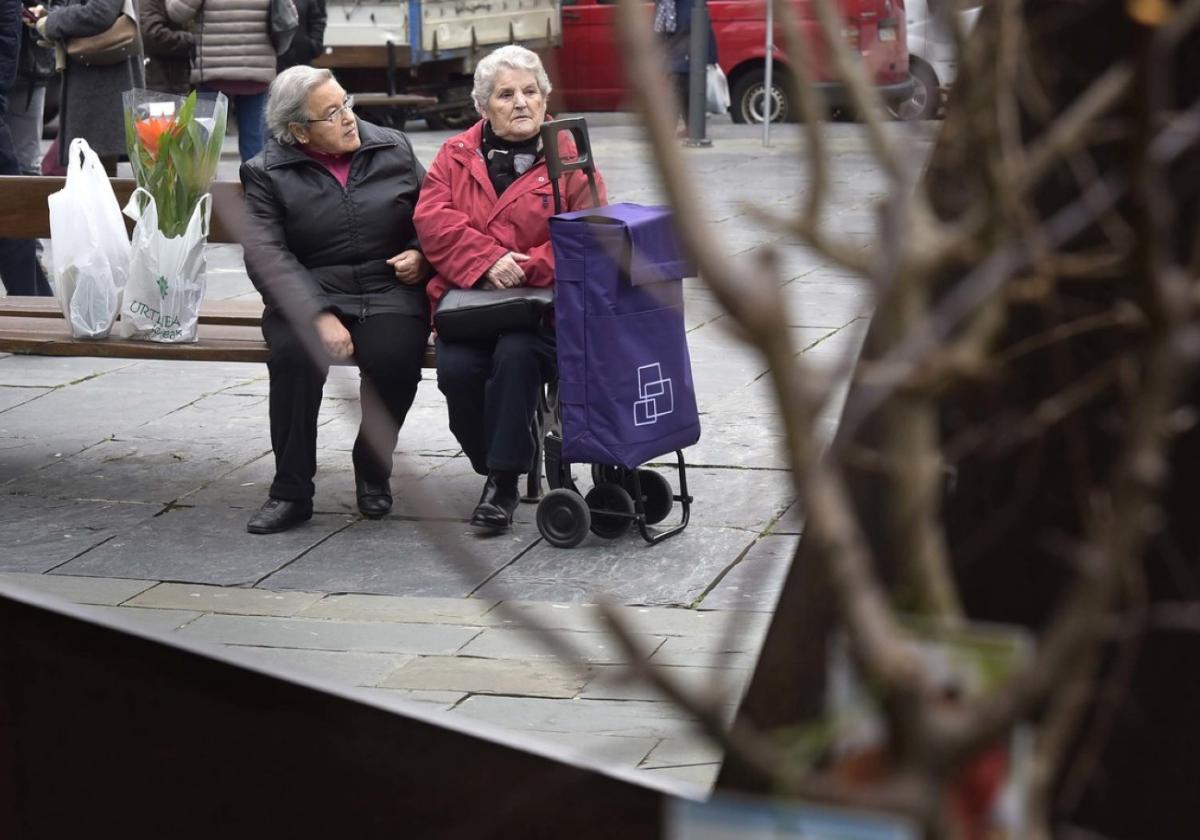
column 24, row 213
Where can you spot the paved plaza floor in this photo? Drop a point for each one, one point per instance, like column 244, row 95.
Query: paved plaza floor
column 127, row 484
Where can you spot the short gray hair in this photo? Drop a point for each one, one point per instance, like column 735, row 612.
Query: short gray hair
column 513, row 57
column 287, row 101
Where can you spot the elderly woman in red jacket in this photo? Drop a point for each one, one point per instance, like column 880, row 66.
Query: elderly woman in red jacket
column 482, row 223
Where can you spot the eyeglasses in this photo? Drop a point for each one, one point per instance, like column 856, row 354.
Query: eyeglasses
column 336, row 114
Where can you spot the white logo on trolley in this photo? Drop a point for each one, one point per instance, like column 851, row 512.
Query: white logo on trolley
column 655, row 395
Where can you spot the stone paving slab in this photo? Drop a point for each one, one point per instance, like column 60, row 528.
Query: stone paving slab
column 597, row 717
column 660, row 621
column 627, row 570
column 523, row 644
column 616, row 749
column 672, row 752
column 20, row 457
column 400, row 609
column 398, row 557
column 136, row 469
column 224, row 599
column 705, row 652
column 749, row 499
column 52, row 371
column 314, row 634
column 215, row 419
column 702, row 775
column 80, row 590
column 613, row 682
column 347, row 668
column 489, row 676
column 164, row 620
column 43, row 534
column 201, row 545
column 442, row 700
column 756, row 582
column 97, row 408
column 12, row 396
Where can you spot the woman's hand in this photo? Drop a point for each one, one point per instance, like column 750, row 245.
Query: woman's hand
column 410, row 266
column 335, row 338
column 506, row 272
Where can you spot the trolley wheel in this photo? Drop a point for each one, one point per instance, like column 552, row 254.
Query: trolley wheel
column 657, row 496
column 603, row 473
column 563, row 518
column 607, row 502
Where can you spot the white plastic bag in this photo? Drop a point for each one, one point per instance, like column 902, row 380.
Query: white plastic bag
column 89, row 246
column 166, row 274
column 717, row 90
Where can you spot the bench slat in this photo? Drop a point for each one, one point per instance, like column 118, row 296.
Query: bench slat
column 24, row 213
column 238, row 313
column 218, row 343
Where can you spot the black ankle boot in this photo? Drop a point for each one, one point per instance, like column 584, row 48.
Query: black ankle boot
column 498, row 502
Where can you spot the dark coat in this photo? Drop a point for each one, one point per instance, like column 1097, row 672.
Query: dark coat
column 168, row 49
column 309, row 40
column 678, row 44
column 324, row 247
column 91, row 96
column 10, row 44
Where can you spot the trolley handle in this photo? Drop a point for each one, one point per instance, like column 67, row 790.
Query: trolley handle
column 557, row 167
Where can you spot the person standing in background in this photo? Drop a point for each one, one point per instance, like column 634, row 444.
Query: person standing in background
column 92, row 106
column 673, row 28
column 26, row 109
column 309, row 40
column 27, row 99
column 234, row 55
column 18, row 259
column 168, row 49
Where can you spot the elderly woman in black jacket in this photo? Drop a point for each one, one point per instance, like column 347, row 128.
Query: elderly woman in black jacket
column 330, row 245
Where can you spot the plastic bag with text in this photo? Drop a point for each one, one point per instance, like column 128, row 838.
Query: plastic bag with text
column 166, row 276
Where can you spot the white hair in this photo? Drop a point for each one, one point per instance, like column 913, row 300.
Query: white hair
column 287, row 101
column 513, row 57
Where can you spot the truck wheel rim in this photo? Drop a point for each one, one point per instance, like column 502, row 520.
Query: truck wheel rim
column 756, row 103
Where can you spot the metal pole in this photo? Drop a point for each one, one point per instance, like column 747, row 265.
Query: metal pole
column 768, row 100
column 697, row 70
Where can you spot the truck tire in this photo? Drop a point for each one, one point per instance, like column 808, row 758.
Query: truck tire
column 926, row 98
column 386, row 117
column 455, row 120
column 748, row 100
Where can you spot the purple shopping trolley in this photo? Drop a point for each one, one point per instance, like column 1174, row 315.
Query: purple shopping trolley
column 624, row 395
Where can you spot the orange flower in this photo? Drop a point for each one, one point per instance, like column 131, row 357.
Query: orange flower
column 151, row 130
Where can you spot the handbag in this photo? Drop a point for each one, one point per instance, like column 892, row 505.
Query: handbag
column 480, row 314
column 118, row 43
column 282, row 26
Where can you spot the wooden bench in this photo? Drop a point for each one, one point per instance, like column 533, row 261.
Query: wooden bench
column 230, row 330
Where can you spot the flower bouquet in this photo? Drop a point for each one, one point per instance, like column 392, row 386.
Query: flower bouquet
column 174, row 146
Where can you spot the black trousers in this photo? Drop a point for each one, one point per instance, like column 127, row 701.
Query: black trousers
column 388, row 350
column 492, row 390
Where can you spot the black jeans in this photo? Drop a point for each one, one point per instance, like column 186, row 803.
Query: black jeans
column 492, row 390
column 388, row 349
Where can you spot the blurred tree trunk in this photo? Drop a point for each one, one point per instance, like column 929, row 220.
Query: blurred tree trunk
column 1028, row 444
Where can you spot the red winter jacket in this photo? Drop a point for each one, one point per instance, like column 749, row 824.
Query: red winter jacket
column 464, row 228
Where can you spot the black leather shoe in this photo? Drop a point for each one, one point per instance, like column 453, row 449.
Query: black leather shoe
column 279, row 515
column 498, row 502
column 374, row 498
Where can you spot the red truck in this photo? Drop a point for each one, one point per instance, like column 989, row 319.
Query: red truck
column 588, row 73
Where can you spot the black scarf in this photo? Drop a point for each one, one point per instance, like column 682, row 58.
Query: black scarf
column 508, row 160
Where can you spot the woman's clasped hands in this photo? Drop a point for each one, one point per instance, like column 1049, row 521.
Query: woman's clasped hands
column 506, row 272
